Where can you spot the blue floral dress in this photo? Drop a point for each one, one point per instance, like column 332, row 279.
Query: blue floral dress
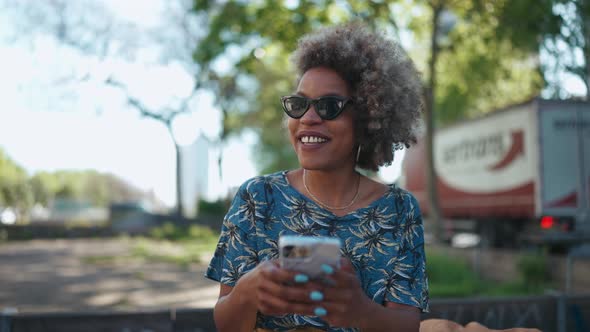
column 384, row 241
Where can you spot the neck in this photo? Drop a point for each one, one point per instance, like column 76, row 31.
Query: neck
column 334, row 189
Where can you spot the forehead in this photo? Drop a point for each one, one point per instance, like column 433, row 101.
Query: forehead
column 322, row 81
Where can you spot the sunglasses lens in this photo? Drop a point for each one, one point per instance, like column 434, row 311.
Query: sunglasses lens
column 295, row 106
column 329, row 108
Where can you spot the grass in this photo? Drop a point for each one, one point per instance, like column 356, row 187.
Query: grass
column 450, row 277
column 99, row 259
column 182, row 253
column 168, row 244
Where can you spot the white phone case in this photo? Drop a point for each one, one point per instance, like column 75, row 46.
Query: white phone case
column 306, row 254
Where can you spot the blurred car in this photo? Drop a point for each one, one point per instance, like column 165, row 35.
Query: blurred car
column 8, row 216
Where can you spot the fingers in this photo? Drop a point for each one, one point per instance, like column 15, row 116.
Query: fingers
column 331, row 312
column 272, row 305
column 308, row 293
column 342, row 277
column 342, row 284
column 281, row 292
column 275, row 298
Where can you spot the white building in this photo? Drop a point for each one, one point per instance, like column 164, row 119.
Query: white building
column 194, row 164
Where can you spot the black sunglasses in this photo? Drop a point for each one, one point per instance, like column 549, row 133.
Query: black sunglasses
column 328, row 107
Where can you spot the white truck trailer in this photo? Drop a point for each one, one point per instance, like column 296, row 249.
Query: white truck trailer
column 519, row 173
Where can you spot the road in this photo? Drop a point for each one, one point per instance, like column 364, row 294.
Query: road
column 54, row 276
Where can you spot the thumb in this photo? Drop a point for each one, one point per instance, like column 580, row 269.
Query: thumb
column 346, row 264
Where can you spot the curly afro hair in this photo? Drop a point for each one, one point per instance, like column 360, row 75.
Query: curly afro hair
column 386, row 87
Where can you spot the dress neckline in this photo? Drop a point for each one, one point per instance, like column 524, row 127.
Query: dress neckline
column 346, row 216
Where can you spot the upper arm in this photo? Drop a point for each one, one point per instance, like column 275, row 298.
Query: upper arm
column 224, row 290
column 236, row 251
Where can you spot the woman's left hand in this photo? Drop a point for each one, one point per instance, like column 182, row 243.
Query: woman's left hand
column 345, row 303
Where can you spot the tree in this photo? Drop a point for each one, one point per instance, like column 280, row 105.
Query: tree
column 166, row 117
column 561, row 28
column 14, row 189
column 44, row 186
column 98, row 189
column 95, row 32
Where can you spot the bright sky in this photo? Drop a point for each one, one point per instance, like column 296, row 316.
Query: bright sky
column 48, row 126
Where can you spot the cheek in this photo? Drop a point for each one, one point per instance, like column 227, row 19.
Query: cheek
column 292, row 128
column 347, row 128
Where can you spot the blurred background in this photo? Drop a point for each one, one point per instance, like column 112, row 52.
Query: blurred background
column 126, row 127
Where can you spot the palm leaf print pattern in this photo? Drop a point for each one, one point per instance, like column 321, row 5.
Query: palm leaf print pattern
column 384, row 242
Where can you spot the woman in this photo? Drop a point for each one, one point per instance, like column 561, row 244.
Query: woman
column 357, row 100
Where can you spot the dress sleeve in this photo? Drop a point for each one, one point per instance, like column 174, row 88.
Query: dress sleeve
column 236, row 251
column 410, row 282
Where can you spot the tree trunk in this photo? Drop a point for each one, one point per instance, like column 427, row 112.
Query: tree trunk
column 179, row 205
column 431, row 178
column 178, row 209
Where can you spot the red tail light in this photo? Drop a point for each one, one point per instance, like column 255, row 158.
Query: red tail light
column 547, row 222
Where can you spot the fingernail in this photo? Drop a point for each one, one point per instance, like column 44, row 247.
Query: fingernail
column 319, row 311
column 327, row 269
column 301, row 278
column 316, row 296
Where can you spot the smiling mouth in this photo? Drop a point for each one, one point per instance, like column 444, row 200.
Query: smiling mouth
column 312, row 140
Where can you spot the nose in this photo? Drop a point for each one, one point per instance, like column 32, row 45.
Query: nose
column 311, row 116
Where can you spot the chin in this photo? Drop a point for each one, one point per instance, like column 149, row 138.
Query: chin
column 311, row 165
column 318, row 166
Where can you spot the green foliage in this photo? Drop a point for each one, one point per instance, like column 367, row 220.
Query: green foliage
column 477, row 71
column 18, row 189
column 452, row 277
column 170, row 232
column 275, row 152
column 44, row 187
column 480, row 73
column 533, row 269
column 559, row 27
column 217, row 208
column 449, row 277
column 91, row 186
column 14, row 188
column 182, row 254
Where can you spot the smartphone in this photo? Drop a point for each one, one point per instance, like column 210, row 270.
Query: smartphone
column 306, row 254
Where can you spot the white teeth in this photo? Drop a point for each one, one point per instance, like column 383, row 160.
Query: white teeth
column 312, row 139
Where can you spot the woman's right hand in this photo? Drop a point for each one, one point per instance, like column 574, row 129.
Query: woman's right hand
column 278, row 291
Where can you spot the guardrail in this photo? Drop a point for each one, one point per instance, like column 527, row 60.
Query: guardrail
column 549, row 313
column 180, row 320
